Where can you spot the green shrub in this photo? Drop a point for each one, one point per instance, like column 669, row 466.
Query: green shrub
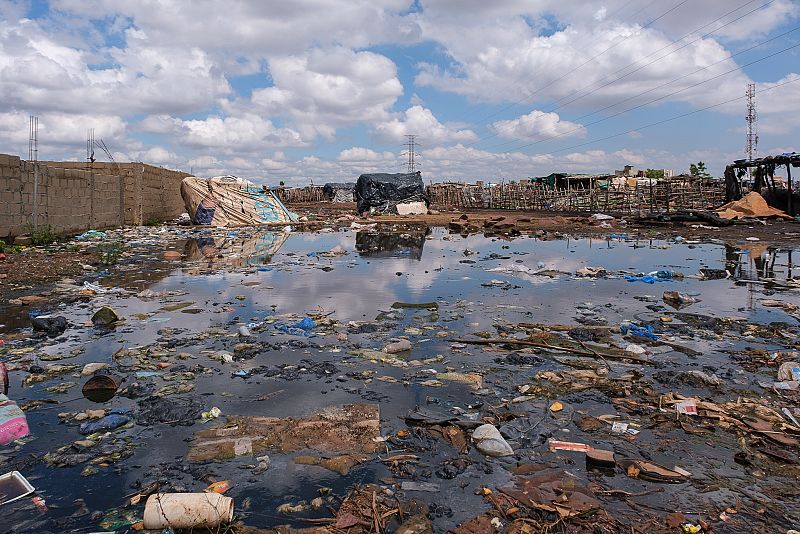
column 110, row 252
column 9, row 249
column 42, row 235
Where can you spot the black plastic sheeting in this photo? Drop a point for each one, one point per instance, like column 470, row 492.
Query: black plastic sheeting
column 384, row 245
column 384, row 191
column 332, row 190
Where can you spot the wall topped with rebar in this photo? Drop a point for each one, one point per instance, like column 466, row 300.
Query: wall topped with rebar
column 71, row 197
column 151, row 193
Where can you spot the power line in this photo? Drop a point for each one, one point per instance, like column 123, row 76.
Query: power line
column 723, row 60
column 665, row 84
column 613, row 45
column 561, row 104
column 657, row 99
column 669, row 119
column 665, row 55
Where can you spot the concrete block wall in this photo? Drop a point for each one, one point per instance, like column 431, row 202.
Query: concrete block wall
column 161, row 193
column 149, row 192
column 71, row 198
column 12, row 199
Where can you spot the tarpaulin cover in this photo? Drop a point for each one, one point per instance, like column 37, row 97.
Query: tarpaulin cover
column 338, row 192
column 390, row 245
column 384, row 191
column 231, row 201
column 233, row 252
column 752, row 205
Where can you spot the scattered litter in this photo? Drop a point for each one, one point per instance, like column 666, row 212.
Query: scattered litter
column 13, row 487
column 13, row 423
column 686, row 407
column 187, row 510
column 678, row 300
column 402, row 345
column 408, row 485
column 105, row 316
column 100, row 388
column 112, row 421
column 789, row 371
column 489, row 441
column 346, row 429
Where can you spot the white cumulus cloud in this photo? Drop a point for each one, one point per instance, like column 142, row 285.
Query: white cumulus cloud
column 538, row 125
column 421, row 121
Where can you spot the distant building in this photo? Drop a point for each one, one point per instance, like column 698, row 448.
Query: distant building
column 628, row 171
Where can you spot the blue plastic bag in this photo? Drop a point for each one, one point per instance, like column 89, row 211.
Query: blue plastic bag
column 110, row 422
column 300, row 328
column 647, row 279
column 307, row 323
column 645, row 331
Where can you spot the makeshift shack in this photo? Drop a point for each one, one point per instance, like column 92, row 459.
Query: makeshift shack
column 233, row 252
column 390, row 245
column 381, row 192
column 763, row 181
column 339, row 192
column 232, row 201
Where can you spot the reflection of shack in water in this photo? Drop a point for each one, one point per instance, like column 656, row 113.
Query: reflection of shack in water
column 391, row 245
column 233, row 252
column 754, row 261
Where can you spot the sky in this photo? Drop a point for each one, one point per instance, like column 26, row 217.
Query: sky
column 324, row 90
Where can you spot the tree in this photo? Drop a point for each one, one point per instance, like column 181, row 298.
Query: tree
column 282, row 183
column 699, row 169
column 654, row 173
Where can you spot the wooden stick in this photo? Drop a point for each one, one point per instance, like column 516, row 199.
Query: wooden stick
column 592, row 354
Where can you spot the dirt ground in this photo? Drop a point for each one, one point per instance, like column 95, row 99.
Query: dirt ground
column 527, row 222
column 35, row 266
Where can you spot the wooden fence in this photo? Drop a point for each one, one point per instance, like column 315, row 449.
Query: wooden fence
column 665, row 195
column 680, row 192
column 299, row 195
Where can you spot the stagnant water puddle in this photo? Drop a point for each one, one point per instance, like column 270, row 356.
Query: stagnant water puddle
column 217, row 323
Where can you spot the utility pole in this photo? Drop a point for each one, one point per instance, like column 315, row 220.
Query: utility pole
column 410, row 146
